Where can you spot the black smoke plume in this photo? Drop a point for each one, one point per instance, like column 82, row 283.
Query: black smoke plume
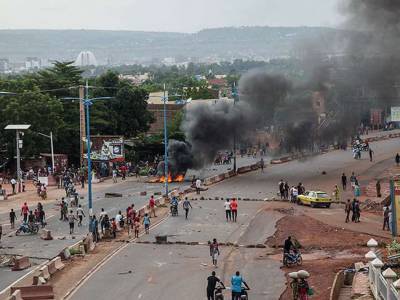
column 365, row 75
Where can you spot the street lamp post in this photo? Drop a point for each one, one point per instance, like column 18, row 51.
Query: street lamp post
column 17, row 129
column 87, row 103
column 235, row 95
column 165, row 99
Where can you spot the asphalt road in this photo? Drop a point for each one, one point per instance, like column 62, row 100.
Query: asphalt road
column 40, row 250
column 180, row 271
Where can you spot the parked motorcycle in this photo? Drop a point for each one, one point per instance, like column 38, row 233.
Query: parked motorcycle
column 26, row 228
column 294, row 258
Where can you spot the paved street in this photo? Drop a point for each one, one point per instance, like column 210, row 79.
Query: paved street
column 180, row 271
column 157, row 270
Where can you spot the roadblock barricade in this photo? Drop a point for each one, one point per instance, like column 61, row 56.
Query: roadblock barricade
column 58, row 263
column 21, row 263
column 254, row 167
column 15, row 296
column 244, row 169
column 46, row 235
column 38, row 280
column 35, row 292
column 44, row 272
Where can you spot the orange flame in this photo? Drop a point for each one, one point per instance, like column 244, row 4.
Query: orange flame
column 178, row 178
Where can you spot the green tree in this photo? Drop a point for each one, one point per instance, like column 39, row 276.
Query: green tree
column 41, row 111
column 130, row 112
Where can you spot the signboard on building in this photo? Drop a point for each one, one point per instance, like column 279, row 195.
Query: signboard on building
column 107, row 148
column 395, row 114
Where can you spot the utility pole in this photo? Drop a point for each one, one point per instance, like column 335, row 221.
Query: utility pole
column 234, row 94
column 81, row 122
column 165, row 144
column 18, row 161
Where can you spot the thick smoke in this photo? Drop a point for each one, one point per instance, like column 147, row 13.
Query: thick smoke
column 363, row 76
column 376, row 47
column 212, row 127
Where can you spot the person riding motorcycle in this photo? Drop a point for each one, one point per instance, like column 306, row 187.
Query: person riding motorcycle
column 288, row 245
column 174, row 205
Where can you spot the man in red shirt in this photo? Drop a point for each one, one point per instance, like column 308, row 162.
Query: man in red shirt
column 24, row 212
column 152, row 205
column 234, row 206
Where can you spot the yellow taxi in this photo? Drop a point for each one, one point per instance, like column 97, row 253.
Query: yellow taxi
column 315, row 199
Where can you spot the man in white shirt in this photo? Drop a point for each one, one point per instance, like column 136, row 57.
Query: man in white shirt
column 80, row 213
column 198, row 186
column 228, row 213
column 114, row 175
column 294, row 193
column 13, row 184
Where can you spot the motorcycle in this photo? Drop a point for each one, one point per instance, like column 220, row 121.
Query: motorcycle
column 26, row 228
column 244, row 295
column 218, row 292
column 290, row 259
column 174, row 210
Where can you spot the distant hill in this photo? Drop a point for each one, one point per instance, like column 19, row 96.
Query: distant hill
column 135, row 46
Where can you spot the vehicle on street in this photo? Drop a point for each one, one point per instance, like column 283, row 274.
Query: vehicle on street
column 26, row 228
column 292, row 259
column 218, row 292
column 315, row 199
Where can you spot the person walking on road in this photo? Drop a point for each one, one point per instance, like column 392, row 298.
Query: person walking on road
column 353, row 210
column 198, row 186
column 234, row 207
column 186, row 205
column 13, row 184
column 262, row 164
column 82, row 181
column 93, row 228
column 336, row 193
column 214, row 252
column 114, row 175
column 281, row 186
column 236, row 282
column 353, row 179
column 228, row 213
column 137, row 226
column 146, row 223
column 25, row 211
column 80, row 213
column 386, row 211
column 347, row 210
column 357, row 211
column 152, row 206
column 71, row 221
column 371, row 153
column 102, row 219
column 211, row 284
column 344, row 181
column 13, row 217
column 286, row 190
column 397, row 158
column 378, row 188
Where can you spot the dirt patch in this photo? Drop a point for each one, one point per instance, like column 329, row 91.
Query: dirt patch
column 322, row 275
column 326, row 250
column 315, row 235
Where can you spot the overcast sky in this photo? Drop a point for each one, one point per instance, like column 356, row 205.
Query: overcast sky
column 164, row 15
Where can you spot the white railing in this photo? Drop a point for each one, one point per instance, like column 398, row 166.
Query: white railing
column 381, row 283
